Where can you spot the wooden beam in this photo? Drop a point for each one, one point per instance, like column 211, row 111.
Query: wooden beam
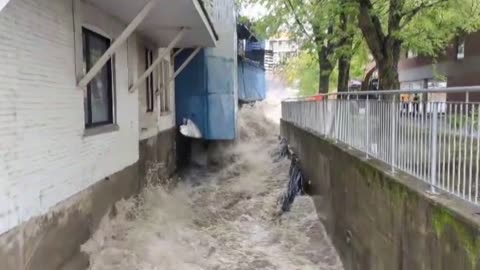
column 77, row 30
column 157, row 61
column 116, row 44
column 184, row 64
column 182, row 67
column 177, row 52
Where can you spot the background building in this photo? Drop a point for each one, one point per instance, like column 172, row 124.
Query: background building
column 251, row 66
column 282, row 47
column 459, row 66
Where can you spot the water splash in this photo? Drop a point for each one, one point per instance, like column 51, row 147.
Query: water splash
column 220, row 217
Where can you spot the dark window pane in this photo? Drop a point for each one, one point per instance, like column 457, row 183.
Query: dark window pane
column 149, row 81
column 98, row 98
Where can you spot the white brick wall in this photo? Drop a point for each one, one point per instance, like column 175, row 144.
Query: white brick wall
column 44, row 156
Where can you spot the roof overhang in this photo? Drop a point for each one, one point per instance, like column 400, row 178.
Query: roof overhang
column 163, row 22
column 3, row 3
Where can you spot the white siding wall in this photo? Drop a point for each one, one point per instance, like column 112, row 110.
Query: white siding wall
column 152, row 123
column 167, row 120
column 44, row 156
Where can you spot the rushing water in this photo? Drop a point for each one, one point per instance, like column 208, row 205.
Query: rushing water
column 223, row 216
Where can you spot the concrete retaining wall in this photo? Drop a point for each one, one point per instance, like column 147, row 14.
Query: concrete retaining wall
column 382, row 221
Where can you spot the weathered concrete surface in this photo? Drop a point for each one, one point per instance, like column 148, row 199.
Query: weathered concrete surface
column 53, row 241
column 158, row 150
column 382, row 221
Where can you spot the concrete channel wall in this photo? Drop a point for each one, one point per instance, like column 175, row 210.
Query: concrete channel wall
column 378, row 220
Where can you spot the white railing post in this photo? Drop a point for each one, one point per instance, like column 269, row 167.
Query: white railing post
column 433, row 168
column 335, row 119
column 348, row 128
column 394, row 135
column 367, row 113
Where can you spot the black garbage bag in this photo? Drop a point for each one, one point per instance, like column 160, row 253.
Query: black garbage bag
column 296, row 186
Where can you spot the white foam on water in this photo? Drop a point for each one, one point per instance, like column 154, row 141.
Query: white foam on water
column 221, row 217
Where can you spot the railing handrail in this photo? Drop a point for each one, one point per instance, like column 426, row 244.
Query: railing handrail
column 462, row 89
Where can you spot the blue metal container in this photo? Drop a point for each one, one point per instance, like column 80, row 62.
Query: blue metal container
column 251, row 81
column 205, row 93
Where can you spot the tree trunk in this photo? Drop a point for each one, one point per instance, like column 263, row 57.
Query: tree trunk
column 325, row 50
column 384, row 47
column 388, row 76
column 326, row 69
column 324, row 84
column 343, row 73
column 345, row 45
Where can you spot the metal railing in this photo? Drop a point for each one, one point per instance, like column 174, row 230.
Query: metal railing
column 435, row 141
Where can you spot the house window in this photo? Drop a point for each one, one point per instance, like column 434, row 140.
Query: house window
column 149, row 81
column 460, row 49
column 165, row 87
column 98, row 98
column 437, row 83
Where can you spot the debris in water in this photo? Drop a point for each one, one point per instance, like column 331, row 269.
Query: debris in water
column 283, row 152
column 190, row 129
column 296, row 185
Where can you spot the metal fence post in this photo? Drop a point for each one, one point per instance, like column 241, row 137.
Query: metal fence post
column 393, row 148
column 348, row 130
column 367, row 113
column 317, row 117
column 434, row 138
column 335, row 120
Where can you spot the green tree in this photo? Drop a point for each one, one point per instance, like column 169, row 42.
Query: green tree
column 302, row 72
column 426, row 26
column 337, row 30
column 316, row 25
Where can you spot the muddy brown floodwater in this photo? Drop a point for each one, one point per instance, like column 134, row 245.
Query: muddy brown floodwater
column 222, row 216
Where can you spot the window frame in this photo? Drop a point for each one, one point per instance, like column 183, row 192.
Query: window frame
column 164, row 93
column 149, row 81
column 88, row 122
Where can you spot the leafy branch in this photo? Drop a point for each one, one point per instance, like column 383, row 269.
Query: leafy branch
column 410, row 14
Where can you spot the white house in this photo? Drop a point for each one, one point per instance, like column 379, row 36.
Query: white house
column 282, row 47
column 86, row 104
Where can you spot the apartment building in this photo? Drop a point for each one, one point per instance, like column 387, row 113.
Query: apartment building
column 458, row 66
